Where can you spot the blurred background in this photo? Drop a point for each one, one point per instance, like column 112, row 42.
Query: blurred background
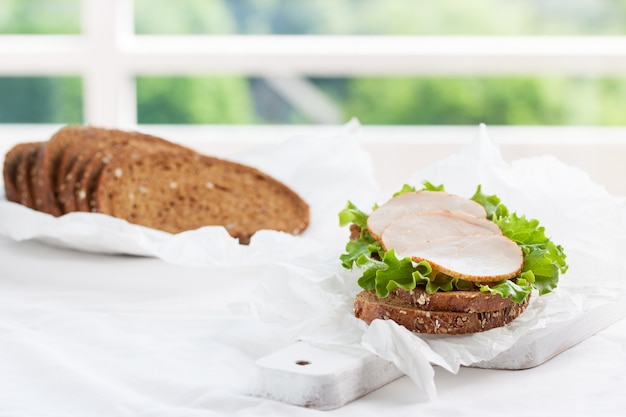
column 255, row 96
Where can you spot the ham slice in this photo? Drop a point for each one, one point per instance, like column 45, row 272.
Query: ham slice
column 414, row 228
column 481, row 258
column 419, row 201
column 450, row 232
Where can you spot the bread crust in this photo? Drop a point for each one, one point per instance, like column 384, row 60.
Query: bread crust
column 472, row 301
column 23, row 178
column 65, row 177
column 368, row 307
column 12, row 160
column 46, row 167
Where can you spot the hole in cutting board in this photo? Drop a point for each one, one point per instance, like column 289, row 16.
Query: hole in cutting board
column 303, row 363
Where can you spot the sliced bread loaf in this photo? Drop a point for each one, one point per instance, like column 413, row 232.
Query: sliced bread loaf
column 44, row 174
column 149, row 181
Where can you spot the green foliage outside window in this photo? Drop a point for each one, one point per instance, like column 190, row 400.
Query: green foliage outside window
column 40, row 17
column 523, row 100
column 41, row 100
column 493, row 100
column 194, row 100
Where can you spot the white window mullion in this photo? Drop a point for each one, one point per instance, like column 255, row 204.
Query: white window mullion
column 108, row 89
column 379, row 55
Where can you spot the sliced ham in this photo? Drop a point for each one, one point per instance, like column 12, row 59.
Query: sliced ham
column 419, row 201
column 411, row 229
column 481, row 258
column 450, row 232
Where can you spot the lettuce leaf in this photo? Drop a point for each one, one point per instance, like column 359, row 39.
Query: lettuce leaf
column 508, row 288
column 352, row 214
column 491, row 203
column 365, row 244
column 545, row 259
column 383, row 272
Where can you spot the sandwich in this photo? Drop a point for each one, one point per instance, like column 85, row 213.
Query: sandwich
column 438, row 263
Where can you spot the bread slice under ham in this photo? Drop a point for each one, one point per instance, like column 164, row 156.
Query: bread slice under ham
column 368, row 307
column 462, row 301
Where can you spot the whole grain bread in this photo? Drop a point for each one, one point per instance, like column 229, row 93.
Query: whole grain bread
column 87, row 155
column 473, row 301
column 109, row 149
column 148, row 181
column 177, row 191
column 83, row 159
column 368, row 307
column 23, row 177
column 65, row 175
column 44, row 171
column 12, row 161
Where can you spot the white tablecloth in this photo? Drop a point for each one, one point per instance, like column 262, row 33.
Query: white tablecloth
column 94, row 334
column 97, row 335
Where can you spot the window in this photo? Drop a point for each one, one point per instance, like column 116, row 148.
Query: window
column 61, row 17
column 410, row 62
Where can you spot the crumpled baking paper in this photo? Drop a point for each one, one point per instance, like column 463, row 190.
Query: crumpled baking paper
column 319, row 169
column 314, row 299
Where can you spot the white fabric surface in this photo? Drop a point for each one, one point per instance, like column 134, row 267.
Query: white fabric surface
column 87, row 333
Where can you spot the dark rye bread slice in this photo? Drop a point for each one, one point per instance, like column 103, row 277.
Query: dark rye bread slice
column 12, row 160
column 368, row 307
column 38, row 202
column 103, row 151
column 77, row 156
column 459, row 301
column 44, row 173
column 176, row 191
column 87, row 176
column 24, row 168
column 64, row 182
column 80, row 155
column 70, row 194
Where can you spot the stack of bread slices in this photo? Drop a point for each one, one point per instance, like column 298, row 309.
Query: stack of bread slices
column 148, row 181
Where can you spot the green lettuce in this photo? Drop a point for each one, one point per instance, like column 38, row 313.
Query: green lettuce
column 383, row 272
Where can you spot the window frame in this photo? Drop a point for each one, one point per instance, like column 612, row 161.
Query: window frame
column 108, row 56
